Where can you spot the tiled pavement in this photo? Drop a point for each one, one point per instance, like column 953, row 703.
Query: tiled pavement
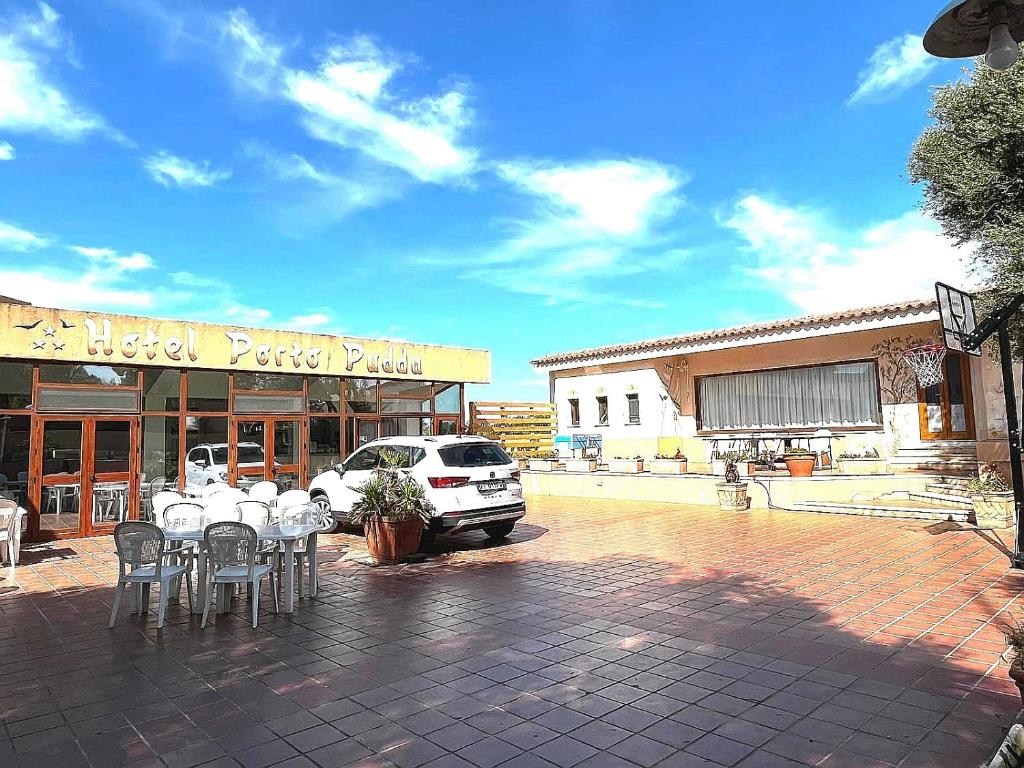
column 606, row 634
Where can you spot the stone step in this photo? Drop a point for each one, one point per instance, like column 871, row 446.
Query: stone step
column 950, row 500
column 880, row 509
column 948, row 488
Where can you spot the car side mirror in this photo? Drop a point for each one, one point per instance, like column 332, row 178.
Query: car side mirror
column 340, row 469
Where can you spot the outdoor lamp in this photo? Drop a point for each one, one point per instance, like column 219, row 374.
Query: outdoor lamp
column 975, row 27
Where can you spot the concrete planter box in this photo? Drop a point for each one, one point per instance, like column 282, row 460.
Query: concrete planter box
column 745, row 468
column 630, row 466
column 863, row 466
column 581, row 465
column 668, row 466
column 544, row 465
column 993, row 510
column 732, row 497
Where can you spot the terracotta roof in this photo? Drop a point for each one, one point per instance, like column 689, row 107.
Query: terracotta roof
column 10, row 300
column 754, row 330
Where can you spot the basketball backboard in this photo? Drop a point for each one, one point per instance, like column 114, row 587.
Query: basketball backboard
column 956, row 316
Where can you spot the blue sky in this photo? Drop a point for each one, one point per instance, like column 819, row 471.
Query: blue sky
column 523, row 177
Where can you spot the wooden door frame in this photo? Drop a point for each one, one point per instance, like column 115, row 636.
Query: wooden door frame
column 947, row 421
column 269, row 423
column 85, row 474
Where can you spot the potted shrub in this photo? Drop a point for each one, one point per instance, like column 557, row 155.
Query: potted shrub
column 732, row 494
column 865, row 463
column 669, row 465
column 743, row 462
column 544, row 462
column 800, row 462
column 1015, row 647
column 392, row 508
column 992, row 499
column 580, row 465
column 629, row 466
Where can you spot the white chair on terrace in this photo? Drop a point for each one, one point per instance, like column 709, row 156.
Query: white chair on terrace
column 11, row 516
column 161, row 500
column 221, row 508
column 254, row 512
column 213, row 489
column 301, row 514
column 292, row 497
column 233, row 549
column 264, row 490
column 141, row 550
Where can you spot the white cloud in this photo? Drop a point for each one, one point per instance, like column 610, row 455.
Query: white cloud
column 14, row 238
column 306, row 322
column 893, row 67
column 590, row 224
column 6, row 151
column 30, row 101
column 70, row 290
column 350, row 100
column 823, row 267
column 168, row 169
column 108, row 258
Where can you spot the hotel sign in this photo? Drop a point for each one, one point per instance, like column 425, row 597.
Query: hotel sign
column 60, row 335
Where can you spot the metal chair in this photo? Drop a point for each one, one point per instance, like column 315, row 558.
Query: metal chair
column 141, row 550
column 302, row 514
column 232, row 549
column 264, row 490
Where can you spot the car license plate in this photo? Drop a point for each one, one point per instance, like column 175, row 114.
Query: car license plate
column 491, row 486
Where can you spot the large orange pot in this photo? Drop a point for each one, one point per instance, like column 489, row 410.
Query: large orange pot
column 389, row 541
column 800, row 465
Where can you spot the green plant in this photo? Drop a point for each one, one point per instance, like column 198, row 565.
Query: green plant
column 391, row 493
column 797, row 452
column 546, row 456
column 1014, row 637
column 677, row 457
column 869, row 453
column 989, row 480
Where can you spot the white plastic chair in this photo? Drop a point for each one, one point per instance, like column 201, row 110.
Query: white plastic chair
column 11, row 516
column 252, row 512
column 233, row 548
column 221, row 507
column 162, row 500
column 141, row 550
column 264, row 490
column 213, row 489
column 301, row 514
column 291, row 498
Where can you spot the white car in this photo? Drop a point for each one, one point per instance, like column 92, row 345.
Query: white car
column 208, row 463
column 471, row 481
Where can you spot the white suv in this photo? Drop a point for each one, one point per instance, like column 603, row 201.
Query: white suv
column 208, row 463
column 471, row 481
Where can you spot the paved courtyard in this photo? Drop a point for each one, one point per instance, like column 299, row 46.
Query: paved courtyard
column 605, row 634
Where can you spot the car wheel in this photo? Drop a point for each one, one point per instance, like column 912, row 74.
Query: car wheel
column 324, row 519
column 499, row 531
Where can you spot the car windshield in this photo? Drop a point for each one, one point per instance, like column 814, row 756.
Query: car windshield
column 473, row 455
column 247, row 454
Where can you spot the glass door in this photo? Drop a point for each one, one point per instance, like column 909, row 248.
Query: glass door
column 359, row 431
column 60, row 499
column 109, row 473
column 266, row 449
column 945, row 409
column 89, row 459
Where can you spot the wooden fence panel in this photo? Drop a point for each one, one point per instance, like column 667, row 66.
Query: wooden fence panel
column 524, row 429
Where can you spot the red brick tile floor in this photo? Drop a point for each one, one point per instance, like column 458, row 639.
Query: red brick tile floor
column 603, row 634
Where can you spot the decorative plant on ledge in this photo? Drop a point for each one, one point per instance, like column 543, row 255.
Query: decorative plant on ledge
column 1015, row 646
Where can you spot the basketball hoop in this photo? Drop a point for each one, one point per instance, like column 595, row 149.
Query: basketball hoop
column 926, row 362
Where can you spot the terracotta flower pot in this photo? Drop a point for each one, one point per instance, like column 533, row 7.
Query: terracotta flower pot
column 389, row 541
column 1017, row 675
column 800, row 465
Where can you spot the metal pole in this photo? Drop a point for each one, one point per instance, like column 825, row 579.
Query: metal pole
column 1013, row 437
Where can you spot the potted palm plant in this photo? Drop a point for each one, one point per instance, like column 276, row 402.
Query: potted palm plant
column 392, row 508
column 800, row 462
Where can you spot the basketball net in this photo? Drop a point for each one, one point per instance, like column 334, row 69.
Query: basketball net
column 926, row 362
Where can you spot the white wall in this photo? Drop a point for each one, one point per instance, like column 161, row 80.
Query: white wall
column 658, row 416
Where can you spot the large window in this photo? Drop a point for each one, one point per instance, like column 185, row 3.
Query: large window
column 633, row 408
column 207, row 391
column 15, row 385
column 324, row 444
column 361, row 395
column 843, row 395
column 161, row 389
column 14, row 454
column 96, row 375
column 602, row 411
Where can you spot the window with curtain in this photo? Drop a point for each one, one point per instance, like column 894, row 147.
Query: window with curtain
column 843, row 395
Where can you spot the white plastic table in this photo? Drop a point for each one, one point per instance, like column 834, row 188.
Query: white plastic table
column 286, row 535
